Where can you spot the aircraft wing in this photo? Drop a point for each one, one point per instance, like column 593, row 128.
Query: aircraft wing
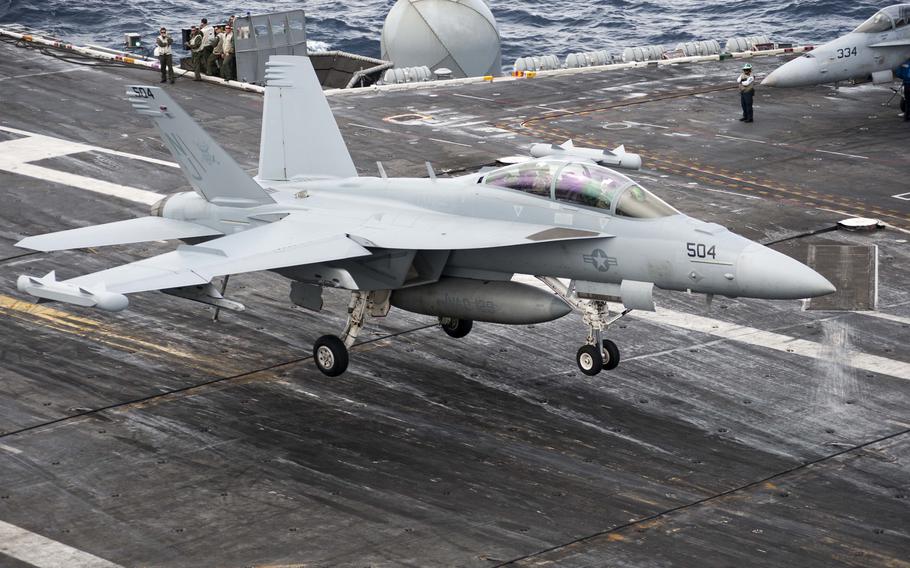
column 892, row 43
column 275, row 245
column 129, row 231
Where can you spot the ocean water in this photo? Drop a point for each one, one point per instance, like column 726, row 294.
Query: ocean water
column 531, row 27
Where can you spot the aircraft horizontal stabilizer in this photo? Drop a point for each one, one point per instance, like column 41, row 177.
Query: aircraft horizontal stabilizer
column 143, row 229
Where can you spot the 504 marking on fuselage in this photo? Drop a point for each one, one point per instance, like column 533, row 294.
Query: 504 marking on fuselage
column 701, row 250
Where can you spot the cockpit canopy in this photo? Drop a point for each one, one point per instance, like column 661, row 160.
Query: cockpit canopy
column 886, row 19
column 581, row 183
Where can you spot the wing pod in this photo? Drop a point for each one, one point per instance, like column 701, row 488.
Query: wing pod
column 616, row 158
column 49, row 288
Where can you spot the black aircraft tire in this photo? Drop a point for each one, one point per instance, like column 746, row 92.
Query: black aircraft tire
column 611, row 352
column 589, row 360
column 330, row 355
column 455, row 327
column 903, row 105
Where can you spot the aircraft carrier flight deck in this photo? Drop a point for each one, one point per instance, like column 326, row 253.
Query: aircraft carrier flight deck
column 750, row 433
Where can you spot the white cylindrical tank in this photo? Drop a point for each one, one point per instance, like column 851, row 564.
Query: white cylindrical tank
column 460, row 35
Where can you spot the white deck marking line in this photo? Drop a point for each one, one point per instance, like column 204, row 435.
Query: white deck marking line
column 26, row 76
column 42, row 552
column 463, row 124
column 771, row 340
column 15, row 156
column 473, row 97
column 902, row 196
column 10, row 449
column 450, row 142
column 354, row 124
column 889, row 317
column 89, row 184
column 742, row 139
column 752, row 336
column 842, row 154
column 746, row 195
column 68, row 147
column 630, row 123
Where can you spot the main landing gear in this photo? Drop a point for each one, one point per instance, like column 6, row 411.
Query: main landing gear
column 455, row 327
column 330, row 352
column 597, row 353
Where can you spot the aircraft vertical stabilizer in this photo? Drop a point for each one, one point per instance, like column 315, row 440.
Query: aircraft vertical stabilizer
column 300, row 137
column 209, row 169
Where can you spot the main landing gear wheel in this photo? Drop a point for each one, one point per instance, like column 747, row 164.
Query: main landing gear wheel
column 610, row 355
column 589, row 360
column 331, row 355
column 455, row 327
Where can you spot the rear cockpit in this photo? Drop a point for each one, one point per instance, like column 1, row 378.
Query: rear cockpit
column 581, row 183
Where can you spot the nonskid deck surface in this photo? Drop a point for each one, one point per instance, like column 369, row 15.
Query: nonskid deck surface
column 756, row 433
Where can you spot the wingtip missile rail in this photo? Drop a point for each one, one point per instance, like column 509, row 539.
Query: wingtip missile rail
column 49, row 288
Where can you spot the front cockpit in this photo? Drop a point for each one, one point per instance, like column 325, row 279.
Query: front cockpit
column 581, row 183
column 886, row 19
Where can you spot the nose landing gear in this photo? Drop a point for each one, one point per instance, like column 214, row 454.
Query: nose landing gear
column 597, row 353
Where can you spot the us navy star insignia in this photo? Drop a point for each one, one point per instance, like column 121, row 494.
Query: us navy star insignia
column 600, row 260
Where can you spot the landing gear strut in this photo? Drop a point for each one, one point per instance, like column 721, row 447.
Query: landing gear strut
column 597, row 353
column 330, row 352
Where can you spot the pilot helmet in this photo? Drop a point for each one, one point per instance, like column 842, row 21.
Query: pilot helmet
column 747, row 67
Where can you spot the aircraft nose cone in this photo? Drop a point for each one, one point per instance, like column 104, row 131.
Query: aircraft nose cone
column 796, row 73
column 765, row 273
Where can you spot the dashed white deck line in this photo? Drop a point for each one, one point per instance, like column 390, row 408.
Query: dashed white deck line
column 741, row 139
column 449, row 142
column 355, row 125
column 630, row 123
column 754, row 336
column 10, row 449
column 472, row 97
column 844, row 155
column 27, row 75
column 42, row 552
column 16, row 155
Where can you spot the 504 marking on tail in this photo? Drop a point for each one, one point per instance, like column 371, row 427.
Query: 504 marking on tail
column 143, row 92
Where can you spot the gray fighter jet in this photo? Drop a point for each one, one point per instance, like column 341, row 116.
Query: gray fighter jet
column 442, row 247
column 871, row 52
